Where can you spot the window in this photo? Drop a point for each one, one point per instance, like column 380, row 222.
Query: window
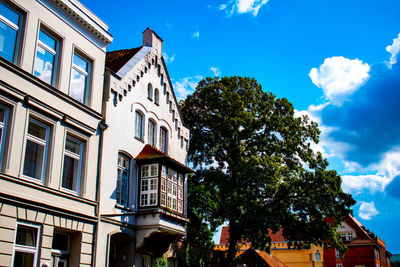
column 10, row 32
column 163, row 140
column 339, row 265
column 46, row 57
column 123, row 179
column 72, row 172
column 317, row 256
column 156, row 97
column 164, row 88
column 167, row 98
column 138, row 125
column 179, row 132
column 150, row 91
column 60, row 249
column 3, row 131
column 171, row 189
column 149, row 185
column 173, row 115
column 152, row 133
column 186, row 145
column 337, row 252
column 37, row 139
column 80, row 78
column 350, row 236
column 26, row 245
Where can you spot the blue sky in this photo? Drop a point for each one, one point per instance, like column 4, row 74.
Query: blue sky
column 335, row 60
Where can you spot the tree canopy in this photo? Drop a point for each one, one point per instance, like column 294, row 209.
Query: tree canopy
column 255, row 168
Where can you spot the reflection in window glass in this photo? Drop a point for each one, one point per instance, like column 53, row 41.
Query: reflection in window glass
column 122, row 179
column 72, row 164
column 46, row 54
column 79, row 78
column 10, row 31
column 26, row 245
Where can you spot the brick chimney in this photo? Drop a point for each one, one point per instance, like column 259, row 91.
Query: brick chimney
column 152, row 39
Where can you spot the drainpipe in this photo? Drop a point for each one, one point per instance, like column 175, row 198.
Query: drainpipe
column 102, row 127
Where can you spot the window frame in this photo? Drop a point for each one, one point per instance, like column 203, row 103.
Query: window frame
column 163, row 140
column 147, row 181
column 88, row 74
column 139, row 131
column 122, row 168
column 4, row 132
column 81, row 157
column 36, row 140
column 150, row 92
column 56, row 53
column 27, row 249
column 17, row 28
column 152, row 133
column 156, row 96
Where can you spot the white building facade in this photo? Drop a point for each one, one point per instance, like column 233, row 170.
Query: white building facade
column 143, row 171
column 52, row 56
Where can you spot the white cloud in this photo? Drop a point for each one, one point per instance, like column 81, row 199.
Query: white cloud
column 185, row 86
column 367, row 210
column 196, row 35
column 394, row 50
column 168, row 59
column 243, row 6
column 339, row 77
column 216, row 71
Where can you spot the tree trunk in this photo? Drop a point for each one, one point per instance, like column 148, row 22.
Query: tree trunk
column 230, row 257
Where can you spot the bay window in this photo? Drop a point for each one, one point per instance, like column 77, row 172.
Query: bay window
column 123, row 179
column 37, row 139
column 149, row 185
column 72, row 169
column 80, row 78
column 11, row 21
column 47, row 51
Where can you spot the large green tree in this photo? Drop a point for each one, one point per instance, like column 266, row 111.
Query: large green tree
column 254, row 162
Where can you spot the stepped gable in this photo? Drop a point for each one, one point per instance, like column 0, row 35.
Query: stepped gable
column 115, row 60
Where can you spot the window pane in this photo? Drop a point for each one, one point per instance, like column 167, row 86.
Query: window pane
column 44, row 64
column 23, row 259
column 80, row 62
column 8, row 40
column 60, row 241
column 9, row 14
column 78, row 86
column 73, row 146
column 1, row 115
column 37, row 130
column 33, row 163
column 26, row 236
column 47, row 40
column 70, row 173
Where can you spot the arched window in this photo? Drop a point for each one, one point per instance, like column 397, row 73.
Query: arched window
column 152, row 133
column 139, row 125
column 163, row 140
column 150, row 91
column 156, row 96
column 123, row 169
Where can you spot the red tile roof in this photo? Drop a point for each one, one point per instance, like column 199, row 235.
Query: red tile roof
column 115, row 60
column 267, row 258
column 275, row 237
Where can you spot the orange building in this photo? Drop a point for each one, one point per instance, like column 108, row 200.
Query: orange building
column 279, row 249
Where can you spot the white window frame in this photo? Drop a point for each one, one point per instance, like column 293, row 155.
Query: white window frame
column 44, row 143
column 174, row 189
column 149, row 175
column 27, row 249
column 139, row 132
column 55, row 53
column 3, row 136
column 339, row 265
column 85, row 73
column 76, row 157
column 152, row 133
column 15, row 27
column 122, row 169
column 164, row 140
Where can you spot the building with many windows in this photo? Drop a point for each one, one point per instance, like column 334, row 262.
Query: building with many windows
column 364, row 249
column 143, row 171
column 52, row 56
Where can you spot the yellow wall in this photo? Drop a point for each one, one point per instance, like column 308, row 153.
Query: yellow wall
column 295, row 257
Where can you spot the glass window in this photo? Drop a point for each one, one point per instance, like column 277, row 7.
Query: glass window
column 167, row 98
column 317, row 256
column 138, row 125
column 149, row 185
column 152, row 133
column 46, row 57
column 26, row 245
column 163, row 140
column 122, row 179
column 11, row 22
column 3, row 131
column 80, row 78
column 36, row 150
column 150, row 91
column 156, row 96
column 174, row 191
column 72, row 171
